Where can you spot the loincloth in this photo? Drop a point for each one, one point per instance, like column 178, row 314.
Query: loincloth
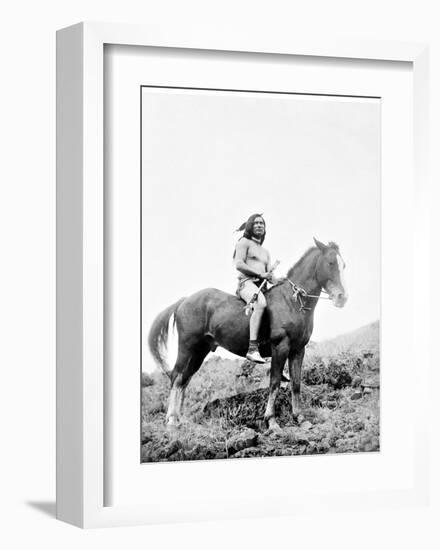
column 241, row 282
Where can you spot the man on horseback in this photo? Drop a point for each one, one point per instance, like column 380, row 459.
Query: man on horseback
column 210, row 317
column 252, row 261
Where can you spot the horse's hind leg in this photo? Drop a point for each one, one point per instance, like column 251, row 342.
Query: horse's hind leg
column 174, row 403
column 177, row 387
column 188, row 363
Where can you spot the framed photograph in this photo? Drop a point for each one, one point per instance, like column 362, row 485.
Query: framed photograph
column 241, row 236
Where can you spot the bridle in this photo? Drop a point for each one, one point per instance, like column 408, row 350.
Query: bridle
column 300, row 294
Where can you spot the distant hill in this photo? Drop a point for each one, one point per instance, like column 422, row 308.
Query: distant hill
column 363, row 338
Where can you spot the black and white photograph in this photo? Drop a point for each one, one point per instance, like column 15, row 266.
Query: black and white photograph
column 260, row 275
column 220, row 251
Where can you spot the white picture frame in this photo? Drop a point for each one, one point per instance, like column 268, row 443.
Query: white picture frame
column 82, row 475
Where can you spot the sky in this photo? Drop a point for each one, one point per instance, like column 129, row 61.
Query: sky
column 210, row 159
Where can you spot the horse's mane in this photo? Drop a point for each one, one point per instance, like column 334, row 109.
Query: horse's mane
column 290, row 272
column 308, row 252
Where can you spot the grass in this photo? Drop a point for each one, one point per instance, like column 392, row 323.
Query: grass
column 340, row 405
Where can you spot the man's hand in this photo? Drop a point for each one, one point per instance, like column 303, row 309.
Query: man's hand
column 269, row 276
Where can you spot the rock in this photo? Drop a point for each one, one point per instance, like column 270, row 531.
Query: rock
column 261, row 425
column 369, row 444
column 343, row 379
column 358, row 426
column 221, row 455
column 356, row 381
column 147, row 452
column 197, row 452
column 356, row 395
column 316, row 420
column 288, row 435
column 373, row 384
column 323, row 447
column 316, row 401
column 246, row 370
column 302, row 439
column 368, row 390
column 274, row 432
column 212, row 453
column 285, row 452
column 306, row 425
column 247, row 408
column 243, row 440
column 172, row 448
column 178, row 456
column 246, row 453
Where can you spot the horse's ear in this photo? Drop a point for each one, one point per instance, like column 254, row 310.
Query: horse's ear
column 322, row 247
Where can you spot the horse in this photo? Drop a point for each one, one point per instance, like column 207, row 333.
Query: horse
column 211, row 318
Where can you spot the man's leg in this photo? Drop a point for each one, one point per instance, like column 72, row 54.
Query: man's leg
column 247, row 292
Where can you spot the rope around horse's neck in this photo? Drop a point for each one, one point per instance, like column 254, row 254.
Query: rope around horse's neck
column 305, row 293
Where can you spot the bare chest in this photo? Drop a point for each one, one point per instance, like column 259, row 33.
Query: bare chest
column 256, row 253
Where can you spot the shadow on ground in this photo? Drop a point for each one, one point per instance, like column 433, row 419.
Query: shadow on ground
column 45, row 507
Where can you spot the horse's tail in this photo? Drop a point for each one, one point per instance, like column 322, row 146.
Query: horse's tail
column 158, row 336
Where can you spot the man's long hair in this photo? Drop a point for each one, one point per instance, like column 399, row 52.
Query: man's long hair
column 248, row 228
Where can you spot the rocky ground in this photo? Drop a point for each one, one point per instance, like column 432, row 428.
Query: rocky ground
column 226, row 401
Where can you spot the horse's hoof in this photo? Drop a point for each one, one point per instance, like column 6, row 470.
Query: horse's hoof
column 172, row 422
column 298, row 417
column 274, row 428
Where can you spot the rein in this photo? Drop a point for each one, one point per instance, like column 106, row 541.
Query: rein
column 299, row 294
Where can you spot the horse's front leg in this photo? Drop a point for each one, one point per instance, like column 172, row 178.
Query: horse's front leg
column 295, row 364
column 279, row 356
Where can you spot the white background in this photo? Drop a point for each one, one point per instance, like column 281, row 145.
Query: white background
column 28, row 270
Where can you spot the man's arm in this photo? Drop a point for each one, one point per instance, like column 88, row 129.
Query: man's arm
column 271, row 277
column 241, row 251
column 268, row 262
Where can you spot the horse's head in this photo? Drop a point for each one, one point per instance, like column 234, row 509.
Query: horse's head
column 330, row 272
